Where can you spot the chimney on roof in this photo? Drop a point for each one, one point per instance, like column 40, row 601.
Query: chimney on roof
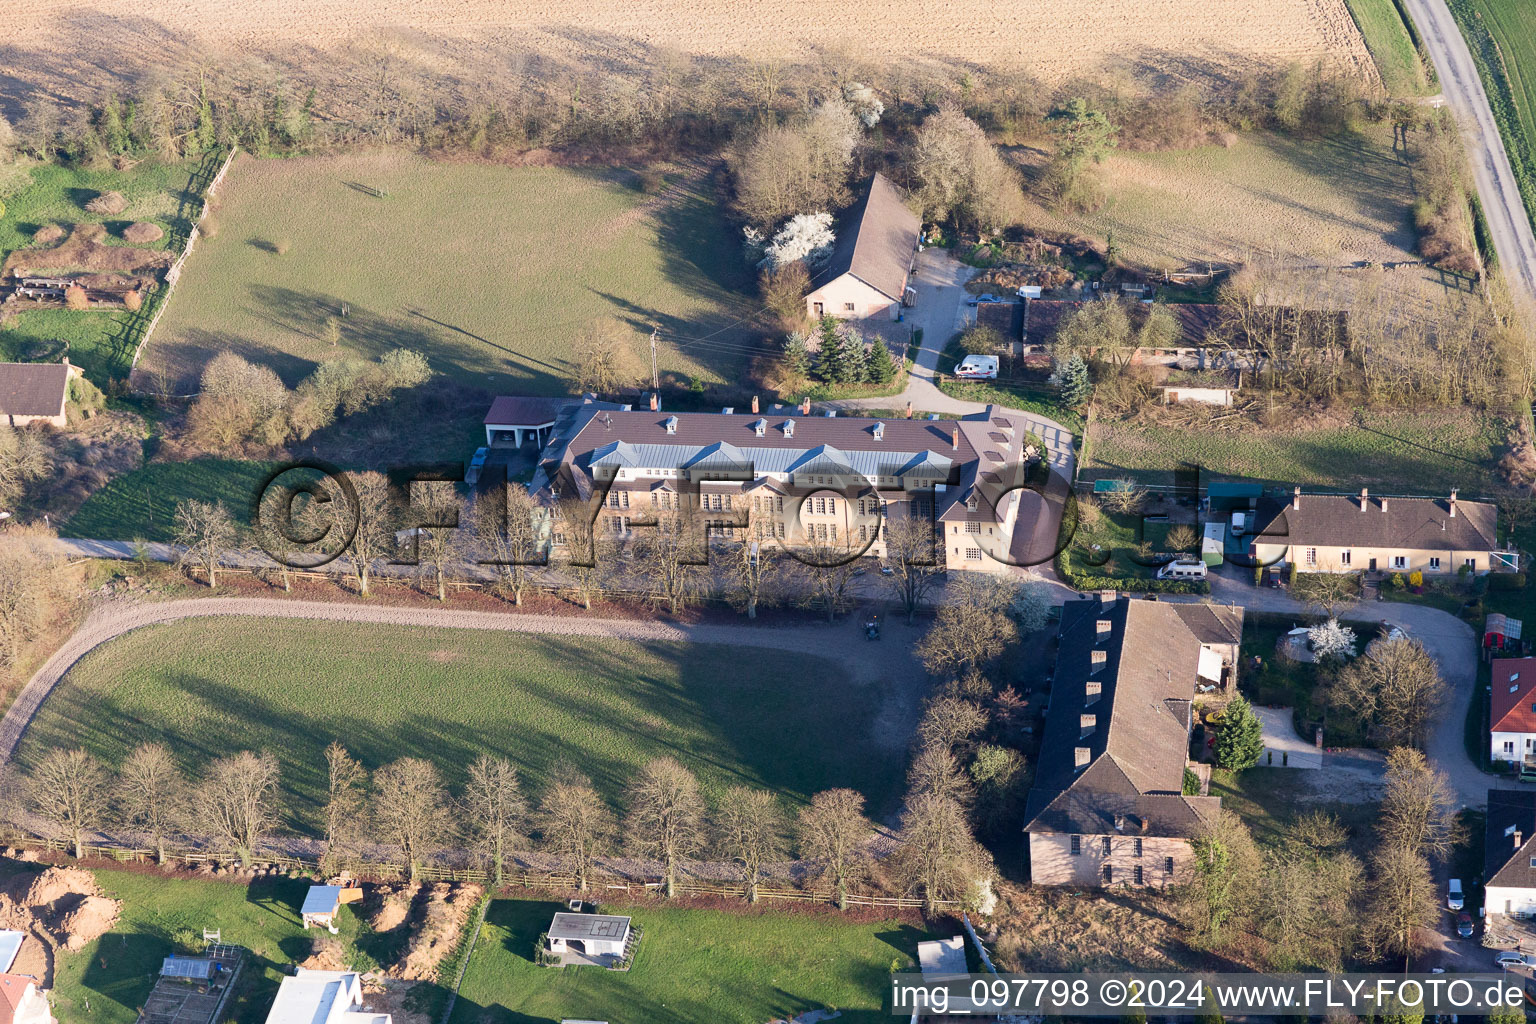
column 754, row 403
column 65, row 362
column 1081, row 756
column 954, row 437
column 805, row 406
column 1453, row 501
column 1383, row 503
column 1086, row 724
column 1092, row 692
column 655, row 402
column 1119, row 823
column 1107, row 598
column 1144, row 821
column 1296, row 498
column 1365, row 498
column 1519, row 839
column 909, row 410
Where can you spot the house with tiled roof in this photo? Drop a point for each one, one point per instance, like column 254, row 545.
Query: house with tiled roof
column 32, row 393
column 866, row 276
column 1509, row 853
column 1108, row 806
column 787, row 476
column 22, row 1001
column 1353, row 533
column 1512, row 718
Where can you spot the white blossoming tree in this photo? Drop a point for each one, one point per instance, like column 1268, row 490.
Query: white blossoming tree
column 805, row 236
column 1332, row 641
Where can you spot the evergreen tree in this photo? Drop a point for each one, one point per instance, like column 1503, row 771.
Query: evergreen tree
column 879, row 368
column 797, row 358
column 832, row 366
column 855, row 360
column 1209, row 1013
column 1241, row 740
column 1072, row 381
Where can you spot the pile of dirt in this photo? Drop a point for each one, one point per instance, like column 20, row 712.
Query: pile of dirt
column 142, row 233
column 65, row 902
column 108, row 203
column 54, row 884
column 325, row 955
column 90, row 919
column 438, row 920
column 394, row 907
column 388, row 995
column 49, row 234
column 83, row 250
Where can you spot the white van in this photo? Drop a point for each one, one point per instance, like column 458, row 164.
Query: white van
column 977, row 368
column 1182, row 569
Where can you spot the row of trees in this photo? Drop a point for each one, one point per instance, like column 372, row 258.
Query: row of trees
column 1304, row 894
column 241, row 402
column 234, row 805
column 842, row 356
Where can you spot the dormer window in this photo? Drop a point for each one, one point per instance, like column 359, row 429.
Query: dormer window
column 1102, row 630
column 789, row 428
column 1086, row 725
column 760, row 427
column 671, row 424
column 879, row 431
column 1091, row 697
column 1081, row 755
column 1098, row 658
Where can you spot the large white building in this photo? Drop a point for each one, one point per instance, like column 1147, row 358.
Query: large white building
column 322, row 997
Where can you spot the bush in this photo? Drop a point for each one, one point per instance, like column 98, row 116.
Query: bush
column 75, row 297
column 1506, row 581
column 1398, row 582
column 142, row 233
column 133, row 302
column 48, row 234
column 1416, row 578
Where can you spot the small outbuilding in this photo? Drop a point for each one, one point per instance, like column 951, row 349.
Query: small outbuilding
column 35, row 393
column 595, row 935
column 322, row 903
column 512, row 418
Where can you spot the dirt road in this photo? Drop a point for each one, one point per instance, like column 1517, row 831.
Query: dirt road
column 1463, row 89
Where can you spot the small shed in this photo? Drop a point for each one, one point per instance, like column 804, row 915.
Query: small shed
column 1233, row 496
column 1213, row 546
column 512, row 418
column 322, row 902
column 188, row 968
column 1501, row 632
column 1174, row 394
column 592, row 934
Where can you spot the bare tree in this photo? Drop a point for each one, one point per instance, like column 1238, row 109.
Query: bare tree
column 506, row 529
column 1394, row 687
column 1328, row 592
column 375, row 514
column 605, row 358
column 495, row 808
column 346, row 781
column 951, row 723
column 750, row 828
column 960, row 174
column 669, row 558
column 755, row 564
column 439, row 542
column 149, row 793
column 1418, row 807
column 1126, row 498
column 1404, row 902
column 828, row 562
column 575, row 824
column 912, row 554
column 410, row 809
column 205, row 531
column 585, row 559
column 936, row 771
column 833, row 830
column 69, row 792
column 666, row 815
column 971, row 628
column 234, row 801
column 35, row 588
column 24, row 458
column 1220, row 892
column 938, row 856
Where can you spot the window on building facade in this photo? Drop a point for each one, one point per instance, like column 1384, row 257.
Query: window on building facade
column 849, row 307
column 1470, row 563
column 1138, row 874
column 1168, row 865
column 1344, row 557
column 1077, row 845
column 1434, row 563
column 972, row 527
column 973, row 554
column 1106, row 845
column 1399, row 561
column 1310, row 556
column 1137, row 846
column 1109, row 873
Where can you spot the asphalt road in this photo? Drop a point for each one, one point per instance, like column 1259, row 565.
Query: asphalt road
column 1496, row 185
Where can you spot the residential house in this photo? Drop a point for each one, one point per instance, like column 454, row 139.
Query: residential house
column 1108, row 805
column 866, row 276
column 35, row 393
column 22, row 1002
column 1512, row 721
column 1350, row 533
column 788, row 476
column 1509, row 853
column 322, row 997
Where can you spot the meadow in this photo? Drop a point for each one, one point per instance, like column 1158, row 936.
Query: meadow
column 36, row 195
column 493, row 273
column 692, row 967
column 1502, row 37
column 1415, row 452
column 141, row 504
column 206, row 687
column 1392, row 47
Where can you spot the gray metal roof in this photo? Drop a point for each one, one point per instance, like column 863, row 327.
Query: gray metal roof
column 195, row 968
column 720, row 456
column 588, row 926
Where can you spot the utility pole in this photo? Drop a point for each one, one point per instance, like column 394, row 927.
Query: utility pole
column 655, row 382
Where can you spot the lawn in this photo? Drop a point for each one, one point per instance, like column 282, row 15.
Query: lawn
column 1392, row 47
column 1502, row 37
column 52, row 194
column 1267, row 799
column 1417, row 452
column 108, row 980
column 788, row 722
column 698, row 966
column 492, row 272
column 141, row 505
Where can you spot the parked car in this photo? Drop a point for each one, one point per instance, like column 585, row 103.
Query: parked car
column 476, row 464
column 1454, row 898
column 1464, row 925
column 886, row 570
column 1512, row 958
column 977, row 368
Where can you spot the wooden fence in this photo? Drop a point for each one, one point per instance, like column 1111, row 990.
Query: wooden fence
column 527, row 880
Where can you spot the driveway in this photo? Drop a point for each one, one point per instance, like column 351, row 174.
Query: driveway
column 1496, row 184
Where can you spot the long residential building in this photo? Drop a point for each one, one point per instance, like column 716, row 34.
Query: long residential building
column 788, row 476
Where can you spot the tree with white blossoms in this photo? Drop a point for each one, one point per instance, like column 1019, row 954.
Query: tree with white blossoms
column 805, row 236
column 1331, row 641
column 866, row 105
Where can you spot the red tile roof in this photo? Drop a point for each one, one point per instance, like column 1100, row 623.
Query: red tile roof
column 1514, row 695
column 13, row 989
column 524, row 411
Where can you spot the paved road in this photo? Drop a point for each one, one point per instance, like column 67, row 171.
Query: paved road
column 1463, row 89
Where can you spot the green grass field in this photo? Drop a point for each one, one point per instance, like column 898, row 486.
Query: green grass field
column 1502, row 37
column 42, row 194
column 1391, row 45
column 692, row 967
column 141, row 505
column 108, row 980
column 492, row 272
column 1420, row 453
column 788, row 722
